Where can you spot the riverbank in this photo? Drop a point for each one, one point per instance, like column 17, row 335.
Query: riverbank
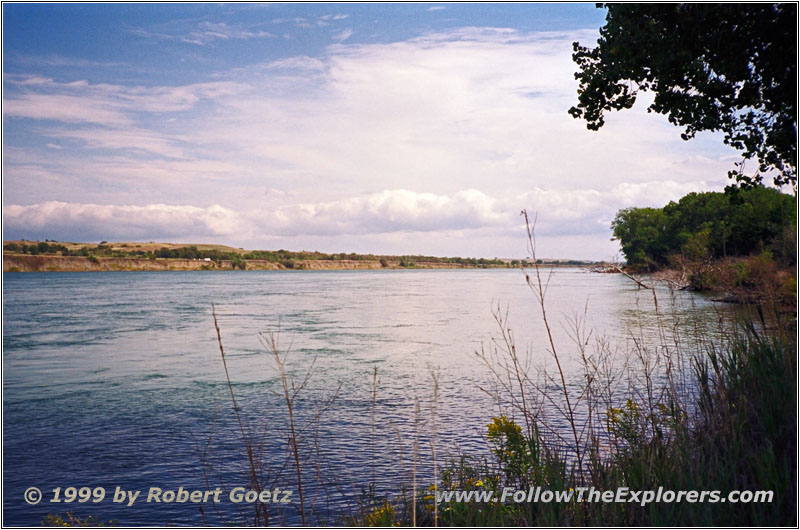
column 755, row 279
column 28, row 263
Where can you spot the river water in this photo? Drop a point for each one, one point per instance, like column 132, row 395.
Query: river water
column 115, row 380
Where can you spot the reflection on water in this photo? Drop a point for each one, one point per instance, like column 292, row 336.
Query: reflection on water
column 115, row 379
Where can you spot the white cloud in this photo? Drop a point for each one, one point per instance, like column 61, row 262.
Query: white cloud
column 208, row 32
column 559, row 212
column 96, row 221
column 337, row 16
column 104, row 104
column 201, row 33
column 298, row 63
column 343, row 35
column 479, row 108
column 64, row 108
column 125, row 139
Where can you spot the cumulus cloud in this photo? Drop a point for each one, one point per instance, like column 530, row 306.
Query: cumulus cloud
column 71, row 221
column 560, row 213
column 384, row 212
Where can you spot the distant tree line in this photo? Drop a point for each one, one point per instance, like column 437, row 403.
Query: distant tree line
column 285, row 257
column 44, row 248
column 700, row 226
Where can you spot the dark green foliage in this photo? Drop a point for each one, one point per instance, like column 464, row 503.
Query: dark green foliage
column 237, row 262
column 712, row 67
column 748, row 417
column 708, row 225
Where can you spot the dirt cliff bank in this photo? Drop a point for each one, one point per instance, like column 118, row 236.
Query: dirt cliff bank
column 30, row 263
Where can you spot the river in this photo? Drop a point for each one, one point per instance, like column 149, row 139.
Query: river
column 115, row 380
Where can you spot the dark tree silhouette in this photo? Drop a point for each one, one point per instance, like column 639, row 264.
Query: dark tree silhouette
column 712, row 67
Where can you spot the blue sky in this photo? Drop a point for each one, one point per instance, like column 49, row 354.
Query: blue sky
column 385, row 128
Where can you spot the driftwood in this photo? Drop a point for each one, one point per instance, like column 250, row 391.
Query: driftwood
column 614, row 269
column 681, row 284
column 638, row 282
column 605, row 269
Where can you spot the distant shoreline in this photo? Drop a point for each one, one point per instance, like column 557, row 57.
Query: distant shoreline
column 42, row 256
column 28, row 263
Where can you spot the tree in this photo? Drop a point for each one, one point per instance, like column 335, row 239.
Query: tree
column 739, row 222
column 712, row 67
column 643, row 234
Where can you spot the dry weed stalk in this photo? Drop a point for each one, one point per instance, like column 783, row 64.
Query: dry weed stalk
column 271, row 342
column 372, row 417
column 539, row 290
column 261, row 515
column 291, row 389
column 434, row 407
column 414, row 463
